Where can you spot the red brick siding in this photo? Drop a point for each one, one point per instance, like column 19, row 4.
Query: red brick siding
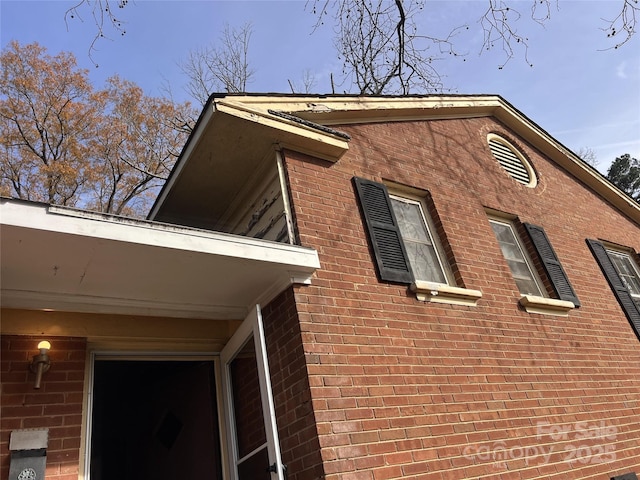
column 403, row 389
column 57, row 405
column 289, row 381
column 247, row 404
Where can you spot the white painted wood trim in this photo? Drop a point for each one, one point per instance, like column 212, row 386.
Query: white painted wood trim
column 252, row 325
column 94, row 225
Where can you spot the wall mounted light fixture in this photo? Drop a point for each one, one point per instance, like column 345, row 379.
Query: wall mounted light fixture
column 41, row 362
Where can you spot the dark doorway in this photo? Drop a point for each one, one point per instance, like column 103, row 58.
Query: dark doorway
column 154, row 420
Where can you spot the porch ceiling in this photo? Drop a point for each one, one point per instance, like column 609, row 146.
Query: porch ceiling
column 55, row 258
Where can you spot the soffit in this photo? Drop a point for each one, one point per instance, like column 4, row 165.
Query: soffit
column 229, row 144
column 56, row 258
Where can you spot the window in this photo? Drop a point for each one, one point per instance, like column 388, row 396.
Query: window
column 404, row 246
column 534, row 294
column 527, row 282
column 423, row 254
column 512, row 161
column 621, row 272
column 628, row 273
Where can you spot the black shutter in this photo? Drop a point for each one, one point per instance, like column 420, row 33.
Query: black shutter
column 556, row 274
column 631, row 310
column 391, row 257
column 626, row 476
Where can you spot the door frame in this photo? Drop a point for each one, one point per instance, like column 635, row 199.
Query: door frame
column 85, row 454
column 251, row 327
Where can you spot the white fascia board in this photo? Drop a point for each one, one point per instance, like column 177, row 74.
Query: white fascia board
column 320, row 104
column 345, row 110
column 95, row 225
column 320, row 143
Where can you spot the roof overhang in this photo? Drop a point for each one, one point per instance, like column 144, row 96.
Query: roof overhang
column 236, row 132
column 230, row 142
column 56, row 258
column 333, row 110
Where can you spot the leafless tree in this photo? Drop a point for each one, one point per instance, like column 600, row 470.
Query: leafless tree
column 103, row 14
column 381, row 47
column 224, row 66
column 379, row 42
column 383, row 50
column 588, row 156
column 306, row 84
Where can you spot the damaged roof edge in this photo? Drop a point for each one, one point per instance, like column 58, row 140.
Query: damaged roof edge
column 302, row 121
column 311, row 115
column 290, row 132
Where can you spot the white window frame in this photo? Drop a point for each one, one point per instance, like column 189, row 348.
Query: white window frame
column 426, row 290
column 541, row 303
column 251, row 327
column 535, row 278
column 612, row 252
column 430, row 228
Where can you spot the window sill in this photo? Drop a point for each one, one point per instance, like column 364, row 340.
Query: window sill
column 546, row 306
column 440, row 293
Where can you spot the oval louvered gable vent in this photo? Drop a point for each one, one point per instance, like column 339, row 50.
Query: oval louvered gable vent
column 514, row 163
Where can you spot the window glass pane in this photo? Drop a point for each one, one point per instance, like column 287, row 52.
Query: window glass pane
column 520, row 268
column 418, row 242
column 410, row 221
column 527, row 286
column 247, row 400
column 424, row 262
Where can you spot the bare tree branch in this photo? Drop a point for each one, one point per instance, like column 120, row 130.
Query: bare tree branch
column 223, row 67
column 624, row 23
column 384, row 52
column 102, row 12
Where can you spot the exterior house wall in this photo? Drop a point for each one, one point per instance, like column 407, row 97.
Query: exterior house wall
column 369, row 383
column 57, row 405
column 406, row 389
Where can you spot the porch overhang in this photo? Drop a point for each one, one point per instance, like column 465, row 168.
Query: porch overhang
column 229, row 143
column 57, row 258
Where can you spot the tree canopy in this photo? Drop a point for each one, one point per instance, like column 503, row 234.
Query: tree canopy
column 63, row 142
column 624, row 172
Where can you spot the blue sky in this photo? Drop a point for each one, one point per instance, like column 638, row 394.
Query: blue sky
column 579, row 90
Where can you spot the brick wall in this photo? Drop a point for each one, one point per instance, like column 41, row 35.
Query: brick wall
column 247, row 404
column 57, row 405
column 290, row 384
column 404, row 389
